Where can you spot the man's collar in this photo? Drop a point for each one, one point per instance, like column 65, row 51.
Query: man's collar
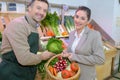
column 31, row 21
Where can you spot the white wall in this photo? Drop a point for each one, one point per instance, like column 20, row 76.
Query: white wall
column 20, row 8
column 4, row 7
column 69, row 3
column 105, row 13
column 102, row 13
column 116, row 24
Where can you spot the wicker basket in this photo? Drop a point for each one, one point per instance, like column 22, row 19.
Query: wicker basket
column 52, row 77
column 39, row 76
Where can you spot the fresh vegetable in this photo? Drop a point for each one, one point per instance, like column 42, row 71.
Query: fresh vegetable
column 65, row 74
column 51, row 69
column 62, row 68
column 52, row 22
column 68, row 68
column 64, row 46
column 64, row 33
column 61, row 64
column 69, row 23
column 0, row 36
column 41, row 69
column 74, row 66
column 72, row 73
column 59, row 75
column 53, row 62
column 55, row 71
column 54, row 45
column 50, row 33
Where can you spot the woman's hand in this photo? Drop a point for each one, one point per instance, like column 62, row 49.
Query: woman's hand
column 66, row 54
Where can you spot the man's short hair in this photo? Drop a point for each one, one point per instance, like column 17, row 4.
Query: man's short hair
column 32, row 1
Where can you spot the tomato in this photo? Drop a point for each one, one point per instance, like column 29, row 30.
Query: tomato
column 65, row 74
column 72, row 73
column 74, row 66
column 63, row 45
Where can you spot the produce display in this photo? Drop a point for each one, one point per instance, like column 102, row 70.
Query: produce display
column 55, row 46
column 69, row 23
column 50, row 24
column 61, row 68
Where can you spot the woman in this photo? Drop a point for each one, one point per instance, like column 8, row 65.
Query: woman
column 85, row 45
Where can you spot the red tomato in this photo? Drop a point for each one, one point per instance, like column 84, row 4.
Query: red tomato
column 72, row 73
column 65, row 74
column 74, row 66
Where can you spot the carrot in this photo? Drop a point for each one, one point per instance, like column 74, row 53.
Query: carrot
column 55, row 71
column 50, row 33
column 51, row 69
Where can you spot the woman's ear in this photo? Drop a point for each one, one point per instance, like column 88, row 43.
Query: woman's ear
column 89, row 21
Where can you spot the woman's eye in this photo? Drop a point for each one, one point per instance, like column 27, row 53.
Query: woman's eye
column 80, row 17
column 45, row 10
column 76, row 16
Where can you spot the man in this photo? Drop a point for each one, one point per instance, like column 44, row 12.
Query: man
column 21, row 42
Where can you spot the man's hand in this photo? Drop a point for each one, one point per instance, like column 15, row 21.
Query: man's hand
column 46, row 55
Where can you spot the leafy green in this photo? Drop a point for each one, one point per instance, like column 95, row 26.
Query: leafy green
column 69, row 23
column 41, row 69
column 53, row 62
column 54, row 45
column 52, row 22
column 0, row 36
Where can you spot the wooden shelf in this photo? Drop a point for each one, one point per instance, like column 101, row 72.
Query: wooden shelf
column 104, row 71
column 17, row 1
column 60, row 6
column 26, row 2
column 46, row 38
column 12, row 12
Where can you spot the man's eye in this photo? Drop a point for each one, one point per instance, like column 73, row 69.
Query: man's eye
column 39, row 8
column 82, row 18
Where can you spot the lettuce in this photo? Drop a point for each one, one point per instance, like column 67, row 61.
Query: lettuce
column 54, row 45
